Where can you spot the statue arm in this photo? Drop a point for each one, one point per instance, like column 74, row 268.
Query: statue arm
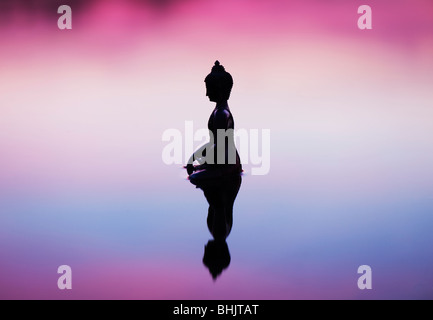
column 220, row 122
column 200, row 156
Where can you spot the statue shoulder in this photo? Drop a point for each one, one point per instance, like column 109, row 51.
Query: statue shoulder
column 221, row 119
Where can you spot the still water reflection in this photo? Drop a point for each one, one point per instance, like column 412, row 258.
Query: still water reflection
column 221, row 195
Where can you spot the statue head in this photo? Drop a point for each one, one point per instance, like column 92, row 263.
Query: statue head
column 216, row 257
column 219, row 84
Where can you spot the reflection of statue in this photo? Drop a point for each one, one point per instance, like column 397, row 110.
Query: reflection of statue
column 220, row 194
column 219, row 157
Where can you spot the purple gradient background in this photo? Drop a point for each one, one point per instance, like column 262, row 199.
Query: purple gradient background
column 82, row 181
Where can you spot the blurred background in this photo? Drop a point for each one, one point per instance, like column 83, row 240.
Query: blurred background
column 82, row 181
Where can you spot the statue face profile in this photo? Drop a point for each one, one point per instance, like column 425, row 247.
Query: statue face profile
column 219, row 84
column 213, row 94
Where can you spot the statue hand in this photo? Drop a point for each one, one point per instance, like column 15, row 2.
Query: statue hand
column 189, row 168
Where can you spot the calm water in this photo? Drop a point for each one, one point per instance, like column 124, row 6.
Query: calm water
column 292, row 238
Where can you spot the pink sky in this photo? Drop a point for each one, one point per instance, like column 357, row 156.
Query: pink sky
column 81, row 104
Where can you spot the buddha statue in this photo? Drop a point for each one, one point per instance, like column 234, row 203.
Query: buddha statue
column 219, row 156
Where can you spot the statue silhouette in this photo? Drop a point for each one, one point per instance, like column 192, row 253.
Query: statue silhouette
column 218, row 172
column 219, row 156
